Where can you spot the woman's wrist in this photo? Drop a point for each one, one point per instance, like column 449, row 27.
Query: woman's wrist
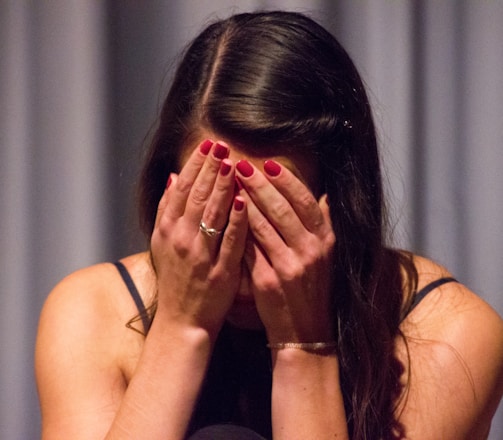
column 187, row 324
column 299, row 360
column 315, row 338
column 306, row 392
column 180, row 332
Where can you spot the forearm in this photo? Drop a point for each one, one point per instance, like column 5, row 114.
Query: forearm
column 162, row 394
column 306, row 397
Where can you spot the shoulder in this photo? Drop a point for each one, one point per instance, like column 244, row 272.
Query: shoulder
column 84, row 351
column 448, row 307
column 455, row 315
column 85, row 296
column 85, row 315
column 455, row 349
column 97, row 293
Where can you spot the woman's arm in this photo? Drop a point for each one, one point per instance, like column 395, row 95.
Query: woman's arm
column 289, row 260
column 455, row 344
column 161, row 396
column 82, row 391
column 306, row 396
column 454, row 339
column 80, row 384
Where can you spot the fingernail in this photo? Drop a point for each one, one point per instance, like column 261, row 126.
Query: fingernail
column 225, row 167
column 272, row 168
column 205, row 147
column 169, row 181
column 220, row 151
column 239, row 203
column 244, row 168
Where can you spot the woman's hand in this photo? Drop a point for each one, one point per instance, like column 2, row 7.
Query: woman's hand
column 290, row 255
column 198, row 274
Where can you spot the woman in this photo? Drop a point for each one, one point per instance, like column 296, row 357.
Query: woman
column 268, row 299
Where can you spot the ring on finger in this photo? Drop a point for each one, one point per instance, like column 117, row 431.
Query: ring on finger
column 210, row 232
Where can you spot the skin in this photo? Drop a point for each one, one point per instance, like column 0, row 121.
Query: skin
column 97, row 379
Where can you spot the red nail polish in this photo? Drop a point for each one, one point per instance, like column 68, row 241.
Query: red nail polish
column 244, row 168
column 205, row 147
column 225, row 167
column 239, row 203
column 272, row 168
column 220, row 151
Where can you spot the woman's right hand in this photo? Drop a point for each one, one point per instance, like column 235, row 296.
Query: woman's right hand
column 198, row 275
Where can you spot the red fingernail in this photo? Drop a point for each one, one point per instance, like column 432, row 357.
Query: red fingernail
column 239, row 203
column 220, row 151
column 205, row 147
column 272, row 168
column 168, row 182
column 244, row 168
column 225, row 167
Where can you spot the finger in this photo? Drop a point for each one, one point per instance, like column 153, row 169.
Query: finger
column 256, row 258
column 325, row 210
column 203, row 185
column 274, row 206
column 264, row 277
column 298, row 195
column 263, row 231
column 234, row 238
column 186, row 179
column 216, row 213
column 163, row 203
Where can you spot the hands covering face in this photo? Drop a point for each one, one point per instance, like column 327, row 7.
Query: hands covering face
column 205, row 231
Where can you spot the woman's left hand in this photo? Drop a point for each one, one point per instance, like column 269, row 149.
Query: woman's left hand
column 289, row 254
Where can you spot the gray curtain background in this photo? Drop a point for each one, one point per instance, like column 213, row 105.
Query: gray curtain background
column 81, row 83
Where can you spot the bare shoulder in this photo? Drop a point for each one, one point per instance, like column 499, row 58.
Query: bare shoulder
column 82, row 348
column 92, row 306
column 455, row 358
column 82, row 290
column 449, row 308
column 84, row 300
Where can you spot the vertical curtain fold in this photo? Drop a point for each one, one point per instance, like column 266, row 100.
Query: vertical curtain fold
column 15, row 310
column 52, row 149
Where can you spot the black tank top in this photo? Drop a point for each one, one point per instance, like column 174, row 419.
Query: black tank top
column 256, row 372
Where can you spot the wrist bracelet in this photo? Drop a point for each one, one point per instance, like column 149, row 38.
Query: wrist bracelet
column 307, row 346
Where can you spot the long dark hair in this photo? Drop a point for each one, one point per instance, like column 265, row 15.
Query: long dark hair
column 277, row 80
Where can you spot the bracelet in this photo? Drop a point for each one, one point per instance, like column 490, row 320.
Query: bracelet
column 307, row 346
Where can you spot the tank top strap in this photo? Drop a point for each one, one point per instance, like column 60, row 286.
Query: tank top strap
column 140, row 305
column 419, row 296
